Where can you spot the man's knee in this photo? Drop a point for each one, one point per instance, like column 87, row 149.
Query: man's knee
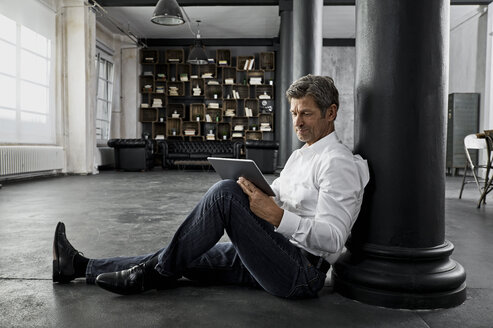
column 226, row 186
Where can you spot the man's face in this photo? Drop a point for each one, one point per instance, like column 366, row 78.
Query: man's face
column 308, row 122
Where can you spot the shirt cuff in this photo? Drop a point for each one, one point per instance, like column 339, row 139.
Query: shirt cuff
column 289, row 224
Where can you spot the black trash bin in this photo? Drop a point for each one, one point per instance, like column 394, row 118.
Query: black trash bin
column 263, row 153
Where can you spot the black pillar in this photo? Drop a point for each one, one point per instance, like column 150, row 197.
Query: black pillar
column 284, row 78
column 307, row 44
column 398, row 256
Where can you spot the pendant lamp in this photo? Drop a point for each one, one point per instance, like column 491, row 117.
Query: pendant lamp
column 197, row 54
column 168, row 13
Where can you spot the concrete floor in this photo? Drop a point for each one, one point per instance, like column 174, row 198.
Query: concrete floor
column 122, row 213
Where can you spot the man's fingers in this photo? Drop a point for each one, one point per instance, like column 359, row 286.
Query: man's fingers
column 244, row 187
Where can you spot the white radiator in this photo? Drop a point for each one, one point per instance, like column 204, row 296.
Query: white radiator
column 27, row 159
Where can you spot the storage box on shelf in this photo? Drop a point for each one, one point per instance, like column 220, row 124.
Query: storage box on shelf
column 245, row 63
column 223, row 57
column 267, row 61
column 191, row 128
column 183, row 72
column 197, row 87
column 240, row 91
column 228, row 75
column 213, row 91
column 197, row 112
column 223, row 131
column 149, row 114
column 264, row 91
column 175, row 56
column 208, row 71
column 173, row 127
column 149, row 56
column 161, row 72
column 176, row 110
column 255, row 77
column 176, row 89
column 158, row 130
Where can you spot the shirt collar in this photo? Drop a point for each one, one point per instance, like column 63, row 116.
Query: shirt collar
column 322, row 144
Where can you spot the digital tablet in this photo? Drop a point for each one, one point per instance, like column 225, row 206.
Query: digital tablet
column 229, row 168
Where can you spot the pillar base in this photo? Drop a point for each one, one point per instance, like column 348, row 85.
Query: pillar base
column 406, row 278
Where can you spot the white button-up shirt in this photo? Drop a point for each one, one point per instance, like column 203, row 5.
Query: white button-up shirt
column 321, row 191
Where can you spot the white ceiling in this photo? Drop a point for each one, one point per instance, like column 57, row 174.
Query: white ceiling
column 245, row 21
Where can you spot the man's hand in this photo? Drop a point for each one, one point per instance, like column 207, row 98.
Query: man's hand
column 261, row 205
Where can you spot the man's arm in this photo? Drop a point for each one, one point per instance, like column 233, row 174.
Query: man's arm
column 341, row 185
column 261, row 205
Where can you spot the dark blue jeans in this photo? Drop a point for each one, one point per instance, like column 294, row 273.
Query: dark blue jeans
column 257, row 255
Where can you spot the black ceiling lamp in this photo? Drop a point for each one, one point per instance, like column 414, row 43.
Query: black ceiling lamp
column 197, row 54
column 168, row 13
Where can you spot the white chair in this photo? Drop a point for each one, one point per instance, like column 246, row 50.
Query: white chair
column 488, row 185
column 471, row 141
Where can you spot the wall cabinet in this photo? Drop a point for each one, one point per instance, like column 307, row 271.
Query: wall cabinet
column 231, row 98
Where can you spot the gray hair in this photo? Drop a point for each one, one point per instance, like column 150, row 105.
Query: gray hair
column 320, row 88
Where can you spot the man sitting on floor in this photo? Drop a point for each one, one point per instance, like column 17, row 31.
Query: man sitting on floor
column 283, row 244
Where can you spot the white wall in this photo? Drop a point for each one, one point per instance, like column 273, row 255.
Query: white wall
column 467, row 70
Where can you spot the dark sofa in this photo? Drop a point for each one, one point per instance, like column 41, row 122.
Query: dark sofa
column 191, row 152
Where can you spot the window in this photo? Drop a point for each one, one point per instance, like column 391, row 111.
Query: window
column 104, row 97
column 26, row 84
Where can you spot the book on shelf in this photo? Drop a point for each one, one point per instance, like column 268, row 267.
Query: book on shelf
column 210, row 136
column 229, row 81
column 160, row 89
column 207, row 76
column 173, row 91
column 223, row 63
column 255, row 80
column 211, row 60
column 208, row 118
column 213, row 105
column 161, row 76
column 173, row 60
column 189, row 132
column 264, row 96
column 156, row 102
column 159, row 137
column 175, row 115
column 144, row 105
column 184, row 77
column 250, row 65
column 149, row 59
column 213, row 82
column 229, row 112
column 197, row 91
column 248, row 112
column 237, row 135
column 148, row 73
column 265, row 127
column 239, row 127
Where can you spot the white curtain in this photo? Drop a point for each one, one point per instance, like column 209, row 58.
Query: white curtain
column 27, row 73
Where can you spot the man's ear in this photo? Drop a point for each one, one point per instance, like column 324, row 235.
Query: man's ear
column 331, row 112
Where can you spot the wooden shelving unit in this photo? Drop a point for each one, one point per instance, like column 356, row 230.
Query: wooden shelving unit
column 174, row 94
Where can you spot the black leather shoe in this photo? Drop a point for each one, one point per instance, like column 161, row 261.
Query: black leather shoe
column 63, row 256
column 125, row 282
